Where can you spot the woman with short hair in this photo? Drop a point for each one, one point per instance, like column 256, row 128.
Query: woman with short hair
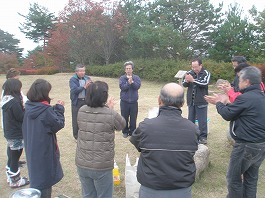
column 97, row 122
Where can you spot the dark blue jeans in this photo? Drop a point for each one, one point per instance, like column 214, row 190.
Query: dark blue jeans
column 129, row 111
column 199, row 113
column 243, row 170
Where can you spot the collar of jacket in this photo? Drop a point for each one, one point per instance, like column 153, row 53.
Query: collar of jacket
column 250, row 88
column 85, row 77
column 171, row 109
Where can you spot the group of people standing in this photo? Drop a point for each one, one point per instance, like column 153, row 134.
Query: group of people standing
column 94, row 123
column 32, row 124
column 167, row 143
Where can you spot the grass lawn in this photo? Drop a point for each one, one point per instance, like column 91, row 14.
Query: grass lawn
column 212, row 183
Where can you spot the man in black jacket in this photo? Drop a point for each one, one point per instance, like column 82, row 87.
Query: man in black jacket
column 197, row 81
column 248, row 131
column 236, row 61
column 167, row 144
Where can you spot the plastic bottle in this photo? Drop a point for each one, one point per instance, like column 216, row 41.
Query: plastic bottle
column 116, row 175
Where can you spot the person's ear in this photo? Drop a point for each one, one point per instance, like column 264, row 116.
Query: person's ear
column 248, row 82
column 160, row 103
column 183, row 102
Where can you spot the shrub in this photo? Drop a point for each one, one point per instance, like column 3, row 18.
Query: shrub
column 40, row 71
column 160, row 70
column 47, row 70
column 219, row 70
column 28, row 71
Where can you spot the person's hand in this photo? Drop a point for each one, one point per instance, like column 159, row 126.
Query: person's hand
column 224, row 98
column 110, row 102
column 216, row 98
column 60, row 102
column 88, row 82
column 130, row 80
column 189, row 78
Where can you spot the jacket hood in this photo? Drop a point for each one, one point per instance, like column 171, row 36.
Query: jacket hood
column 5, row 100
column 34, row 109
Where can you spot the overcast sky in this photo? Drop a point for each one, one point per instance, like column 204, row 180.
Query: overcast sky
column 10, row 20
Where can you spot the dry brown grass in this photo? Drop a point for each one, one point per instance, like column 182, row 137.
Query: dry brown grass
column 212, row 183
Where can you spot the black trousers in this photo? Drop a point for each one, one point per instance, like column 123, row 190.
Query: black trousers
column 199, row 113
column 75, row 109
column 13, row 158
column 129, row 111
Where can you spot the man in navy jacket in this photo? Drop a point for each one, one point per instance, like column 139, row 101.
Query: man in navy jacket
column 78, row 84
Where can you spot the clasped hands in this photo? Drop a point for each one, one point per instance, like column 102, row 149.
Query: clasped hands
column 88, row 82
column 189, row 78
column 130, row 80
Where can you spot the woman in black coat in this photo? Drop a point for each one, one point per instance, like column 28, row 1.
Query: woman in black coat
column 40, row 125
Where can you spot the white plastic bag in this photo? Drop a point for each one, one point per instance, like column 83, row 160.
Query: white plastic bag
column 131, row 184
column 153, row 113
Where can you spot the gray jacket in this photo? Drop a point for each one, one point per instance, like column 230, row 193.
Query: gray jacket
column 95, row 143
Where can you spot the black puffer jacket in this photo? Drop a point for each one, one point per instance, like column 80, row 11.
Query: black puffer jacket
column 247, row 115
column 12, row 117
column 167, row 144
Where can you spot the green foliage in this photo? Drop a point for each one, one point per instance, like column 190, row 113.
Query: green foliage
column 219, row 70
column 111, row 70
column 259, row 24
column 8, row 44
column 169, row 29
column 37, row 23
column 47, row 71
column 159, row 70
column 233, row 37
